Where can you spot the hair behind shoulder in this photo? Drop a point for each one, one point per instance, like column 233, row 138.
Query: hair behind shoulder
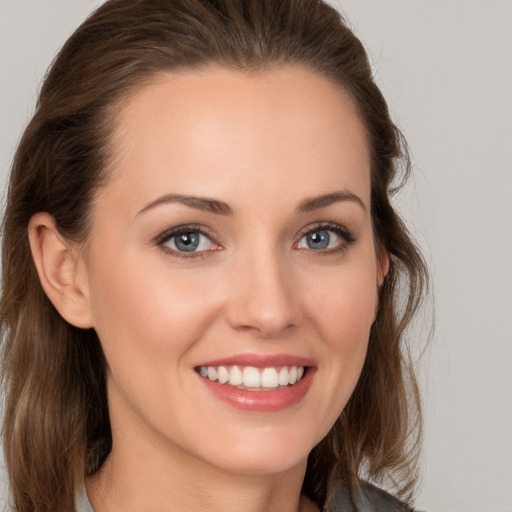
column 56, row 424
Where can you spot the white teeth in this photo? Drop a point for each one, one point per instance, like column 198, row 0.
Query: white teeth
column 269, row 378
column 235, row 376
column 252, row 377
column 212, row 373
column 283, row 376
column 222, row 374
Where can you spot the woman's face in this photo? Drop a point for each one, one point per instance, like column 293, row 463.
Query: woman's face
column 231, row 251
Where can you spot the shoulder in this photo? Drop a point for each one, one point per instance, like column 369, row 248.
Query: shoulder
column 369, row 499
column 83, row 504
column 379, row 500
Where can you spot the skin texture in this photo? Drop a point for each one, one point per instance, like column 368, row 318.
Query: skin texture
column 263, row 144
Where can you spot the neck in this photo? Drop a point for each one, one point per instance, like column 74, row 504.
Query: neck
column 146, row 477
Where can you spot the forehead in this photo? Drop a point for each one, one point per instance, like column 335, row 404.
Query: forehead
column 221, row 131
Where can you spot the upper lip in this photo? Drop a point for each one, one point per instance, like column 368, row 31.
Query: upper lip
column 260, row 360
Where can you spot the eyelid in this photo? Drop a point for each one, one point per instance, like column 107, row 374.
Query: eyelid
column 344, row 233
column 347, row 236
column 165, row 236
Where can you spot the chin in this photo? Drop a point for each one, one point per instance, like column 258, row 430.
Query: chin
column 265, row 452
column 262, row 465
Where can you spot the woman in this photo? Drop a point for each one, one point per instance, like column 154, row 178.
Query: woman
column 200, row 303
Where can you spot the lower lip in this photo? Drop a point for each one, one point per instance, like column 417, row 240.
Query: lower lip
column 261, row 401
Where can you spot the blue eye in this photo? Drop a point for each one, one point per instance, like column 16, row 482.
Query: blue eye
column 186, row 240
column 318, row 239
column 325, row 238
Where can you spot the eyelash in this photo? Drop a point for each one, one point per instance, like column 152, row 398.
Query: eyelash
column 348, row 238
column 167, row 235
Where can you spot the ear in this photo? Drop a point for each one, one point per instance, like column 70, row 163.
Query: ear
column 61, row 270
column 382, row 266
column 382, row 272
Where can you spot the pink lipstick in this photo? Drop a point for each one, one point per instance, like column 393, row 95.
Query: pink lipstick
column 259, row 383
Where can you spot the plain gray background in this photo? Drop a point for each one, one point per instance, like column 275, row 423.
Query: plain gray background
column 445, row 67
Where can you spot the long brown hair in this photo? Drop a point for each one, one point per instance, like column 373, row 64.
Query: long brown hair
column 56, row 423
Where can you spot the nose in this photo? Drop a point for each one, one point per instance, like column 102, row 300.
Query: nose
column 264, row 299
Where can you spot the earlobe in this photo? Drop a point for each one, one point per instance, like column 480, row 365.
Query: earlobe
column 60, row 270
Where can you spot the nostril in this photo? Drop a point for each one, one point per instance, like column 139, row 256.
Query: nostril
column 262, row 321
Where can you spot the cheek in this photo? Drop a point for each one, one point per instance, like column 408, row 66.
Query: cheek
column 347, row 305
column 141, row 314
column 344, row 314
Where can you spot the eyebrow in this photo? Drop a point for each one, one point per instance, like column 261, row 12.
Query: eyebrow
column 222, row 208
column 315, row 203
column 199, row 203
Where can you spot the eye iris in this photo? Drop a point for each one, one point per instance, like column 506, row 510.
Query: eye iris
column 187, row 242
column 318, row 239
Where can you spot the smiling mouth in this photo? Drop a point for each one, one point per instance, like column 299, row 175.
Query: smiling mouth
column 254, row 379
